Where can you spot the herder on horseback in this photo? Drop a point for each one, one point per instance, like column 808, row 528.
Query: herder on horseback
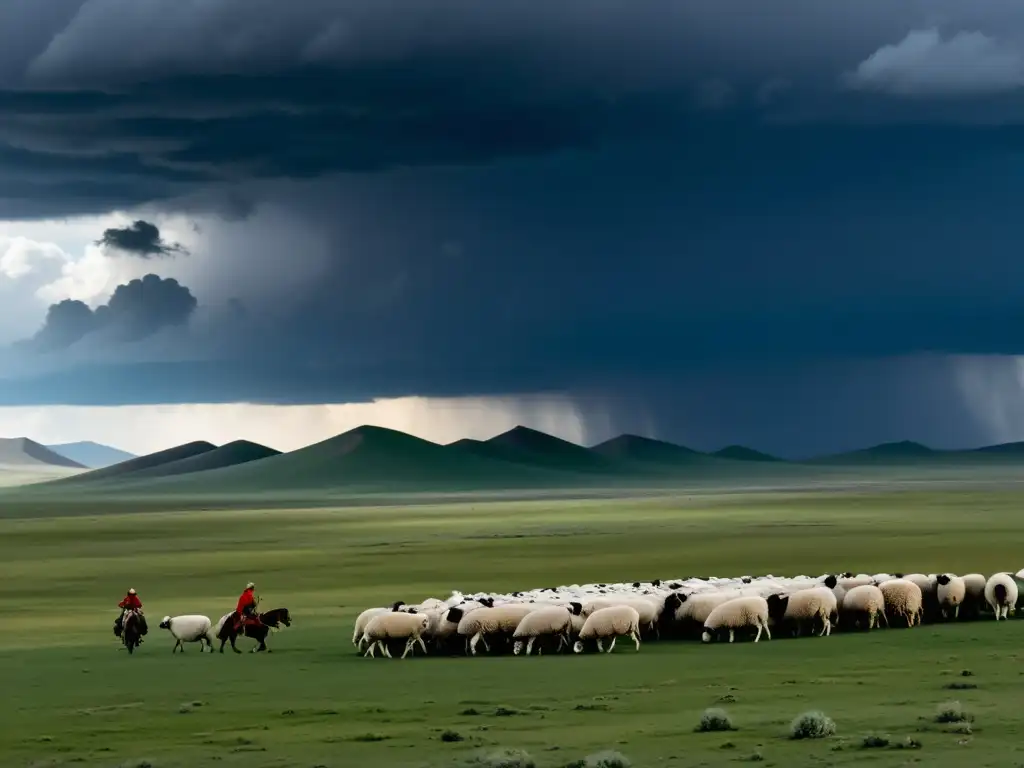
column 130, row 602
column 245, row 611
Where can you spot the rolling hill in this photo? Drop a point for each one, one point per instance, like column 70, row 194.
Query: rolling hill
column 90, row 454
column 372, row 459
column 895, row 453
column 149, row 461
column 364, row 459
column 742, row 453
column 530, row 447
column 22, row 452
column 228, row 455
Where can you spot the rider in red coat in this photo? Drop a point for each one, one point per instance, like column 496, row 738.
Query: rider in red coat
column 130, row 602
column 246, row 609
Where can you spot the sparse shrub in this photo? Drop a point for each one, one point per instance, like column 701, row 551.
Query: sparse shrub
column 451, row 736
column 960, row 686
column 470, row 712
column 812, row 725
column 755, row 757
column 874, row 741
column 591, row 707
column 909, row 743
column 966, row 673
column 964, row 729
column 715, row 719
column 369, row 737
column 504, row 758
column 506, row 712
column 952, row 712
column 606, row 759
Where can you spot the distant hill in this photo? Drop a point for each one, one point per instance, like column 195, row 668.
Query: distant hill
column 742, row 453
column 522, row 445
column 1001, row 448
column 646, row 449
column 137, row 464
column 363, row 459
column 22, row 452
column 90, row 454
column 228, row 455
column 902, row 452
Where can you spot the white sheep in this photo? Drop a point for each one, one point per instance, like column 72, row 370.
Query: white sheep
column 395, row 625
column 903, row 598
column 740, row 612
column 975, row 597
column 361, row 621
column 648, row 608
column 1001, row 593
column 950, row 591
column 190, row 628
column 615, row 621
column 811, row 604
column 552, row 620
column 500, row 620
column 929, row 593
column 866, row 599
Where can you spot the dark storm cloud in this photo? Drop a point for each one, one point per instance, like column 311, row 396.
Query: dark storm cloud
column 235, row 90
column 656, row 199
column 140, row 238
column 136, row 310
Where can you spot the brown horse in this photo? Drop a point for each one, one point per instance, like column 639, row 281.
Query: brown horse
column 258, row 632
column 133, row 629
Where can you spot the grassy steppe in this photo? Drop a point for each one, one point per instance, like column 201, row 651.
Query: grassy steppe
column 74, row 698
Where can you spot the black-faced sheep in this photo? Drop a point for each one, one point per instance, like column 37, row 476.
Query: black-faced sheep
column 1001, row 594
column 190, row 628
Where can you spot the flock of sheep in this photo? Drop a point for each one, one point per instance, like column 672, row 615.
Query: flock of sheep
column 582, row 617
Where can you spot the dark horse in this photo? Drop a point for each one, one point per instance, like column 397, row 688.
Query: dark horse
column 271, row 619
column 133, row 630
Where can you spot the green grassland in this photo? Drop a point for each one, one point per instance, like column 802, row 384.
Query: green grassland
column 74, row 698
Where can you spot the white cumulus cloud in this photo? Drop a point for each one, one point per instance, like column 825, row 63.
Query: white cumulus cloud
column 925, row 64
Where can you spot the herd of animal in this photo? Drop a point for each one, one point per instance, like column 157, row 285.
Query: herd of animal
column 584, row 617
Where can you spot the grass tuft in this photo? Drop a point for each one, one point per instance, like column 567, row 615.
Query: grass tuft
column 812, row 725
column 715, row 719
column 503, row 758
column 874, row 741
column 952, row 712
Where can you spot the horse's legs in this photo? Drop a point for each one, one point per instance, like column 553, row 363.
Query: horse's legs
column 233, row 646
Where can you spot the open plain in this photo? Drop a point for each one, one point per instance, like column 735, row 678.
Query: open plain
column 74, row 697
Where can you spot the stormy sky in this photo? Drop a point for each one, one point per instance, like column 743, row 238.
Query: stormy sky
column 791, row 226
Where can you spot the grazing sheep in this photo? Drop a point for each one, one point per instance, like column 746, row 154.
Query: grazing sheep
column 808, row 605
column 903, row 598
column 866, row 599
column 690, row 612
column 395, row 626
column 749, row 611
column 950, row 591
column 500, row 620
column 648, row 608
column 615, row 621
column 545, row 622
column 974, row 599
column 929, row 594
column 190, row 628
column 1001, row 593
